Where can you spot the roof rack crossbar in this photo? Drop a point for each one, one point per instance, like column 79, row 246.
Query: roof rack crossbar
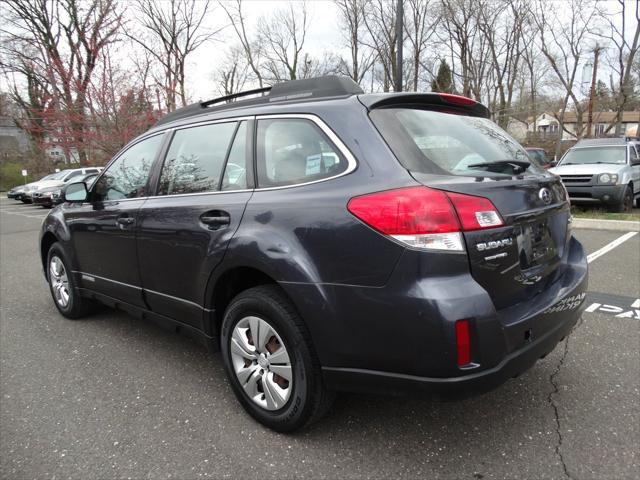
column 233, row 96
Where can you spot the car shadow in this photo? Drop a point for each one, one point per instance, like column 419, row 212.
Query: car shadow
column 515, row 418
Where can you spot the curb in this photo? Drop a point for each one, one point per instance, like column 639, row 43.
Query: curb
column 595, row 224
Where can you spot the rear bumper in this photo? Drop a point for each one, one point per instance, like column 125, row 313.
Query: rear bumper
column 605, row 194
column 401, row 338
column 361, row 381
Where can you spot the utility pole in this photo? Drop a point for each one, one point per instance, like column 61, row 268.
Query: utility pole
column 399, row 38
column 592, row 93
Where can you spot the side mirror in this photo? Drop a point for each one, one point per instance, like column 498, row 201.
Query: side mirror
column 553, row 163
column 75, row 192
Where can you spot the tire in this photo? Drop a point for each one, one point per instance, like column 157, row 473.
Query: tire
column 626, row 204
column 298, row 401
column 62, row 285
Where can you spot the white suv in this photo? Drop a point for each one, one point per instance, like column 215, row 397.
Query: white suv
column 602, row 171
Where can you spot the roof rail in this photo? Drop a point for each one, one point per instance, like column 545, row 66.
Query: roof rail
column 233, row 96
column 309, row 88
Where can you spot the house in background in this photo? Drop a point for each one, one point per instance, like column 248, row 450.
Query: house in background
column 14, row 141
column 547, row 125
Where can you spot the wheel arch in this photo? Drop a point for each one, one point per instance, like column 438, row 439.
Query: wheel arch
column 47, row 240
column 237, row 279
column 226, row 286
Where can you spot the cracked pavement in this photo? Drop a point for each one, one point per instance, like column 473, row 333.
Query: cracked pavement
column 116, row 397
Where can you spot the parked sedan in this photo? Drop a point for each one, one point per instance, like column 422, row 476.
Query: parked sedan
column 58, row 180
column 51, row 196
column 18, row 192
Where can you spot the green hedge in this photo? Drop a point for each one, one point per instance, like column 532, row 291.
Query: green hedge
column 11, row 175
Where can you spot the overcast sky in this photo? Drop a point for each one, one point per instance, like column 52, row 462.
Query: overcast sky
column 323, row 36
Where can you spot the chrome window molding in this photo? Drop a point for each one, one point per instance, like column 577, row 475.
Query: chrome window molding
column 352, row 164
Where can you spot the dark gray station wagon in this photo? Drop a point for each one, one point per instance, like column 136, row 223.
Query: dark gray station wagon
column 329, row 240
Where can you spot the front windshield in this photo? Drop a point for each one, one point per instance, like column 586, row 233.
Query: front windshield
column 445, row 143
column 47, row 177
column 590, row 155
column 57, row 176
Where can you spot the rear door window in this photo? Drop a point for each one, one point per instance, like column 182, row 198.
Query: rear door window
column 449, row 144
column 292, row 151
column 195, row 159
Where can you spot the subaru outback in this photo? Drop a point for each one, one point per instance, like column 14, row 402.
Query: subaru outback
column 328, row 240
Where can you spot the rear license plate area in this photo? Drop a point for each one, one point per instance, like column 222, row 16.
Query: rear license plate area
column 535, row 245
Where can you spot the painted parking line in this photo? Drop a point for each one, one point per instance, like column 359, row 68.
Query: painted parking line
column 610, row 246
column 617, row 306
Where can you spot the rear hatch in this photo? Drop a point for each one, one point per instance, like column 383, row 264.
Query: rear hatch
column 457, row 149
column 518, row 260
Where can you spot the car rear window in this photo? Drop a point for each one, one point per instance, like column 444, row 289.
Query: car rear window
column 450, row 144
column 611, row 154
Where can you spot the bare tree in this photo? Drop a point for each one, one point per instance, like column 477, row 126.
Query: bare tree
column 420, row 23
column 459, row 23
column 380, row 20
column 622, row 61
column 361, row 59
column 233, row 72
column 62, row 40
column 282, row 36
column 250, row 48
column 564, row 43
column 501, row 24
column 534, row 69
column 120, row 108
column 174, row 29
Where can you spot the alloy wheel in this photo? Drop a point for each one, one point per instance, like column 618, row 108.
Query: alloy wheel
column 59, row 281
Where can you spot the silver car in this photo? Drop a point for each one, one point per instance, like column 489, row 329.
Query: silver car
column 603, row 171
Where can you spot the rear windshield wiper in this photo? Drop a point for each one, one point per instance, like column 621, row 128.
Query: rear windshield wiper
column 518, row 166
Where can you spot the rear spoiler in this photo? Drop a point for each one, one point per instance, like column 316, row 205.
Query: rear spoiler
column 429, row 101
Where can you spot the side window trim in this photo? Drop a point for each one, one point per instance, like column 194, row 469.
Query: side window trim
column 154, row 178
column 226, row 156
column 119, row 154
column 252, row 132
column 352, row 164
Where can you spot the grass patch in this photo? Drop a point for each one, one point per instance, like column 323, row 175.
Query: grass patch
column 601, row 214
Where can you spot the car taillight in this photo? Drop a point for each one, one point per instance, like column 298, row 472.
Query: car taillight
column 463, row 342
column 475, row 213
column 425, row 218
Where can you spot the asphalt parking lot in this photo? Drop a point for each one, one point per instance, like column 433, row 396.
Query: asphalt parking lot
column 116, row 397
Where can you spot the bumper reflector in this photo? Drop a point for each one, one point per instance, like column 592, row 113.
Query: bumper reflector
column 463, row 342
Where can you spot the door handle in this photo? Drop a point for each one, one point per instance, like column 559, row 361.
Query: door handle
column 215, row 219
column 125, row 220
